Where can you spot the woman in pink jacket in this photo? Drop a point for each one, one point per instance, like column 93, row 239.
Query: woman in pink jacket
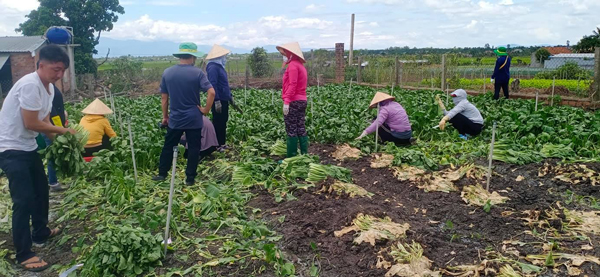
column 293, row 94
column 392, row 121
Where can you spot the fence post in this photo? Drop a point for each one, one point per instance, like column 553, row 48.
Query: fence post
column 443, row 72
column 340, row 63
column 359, row 71
column 489, row 177
column 397, row 71
column 553, row 87
column 596, row 95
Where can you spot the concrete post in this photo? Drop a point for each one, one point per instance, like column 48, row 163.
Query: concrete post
column 397, row 72
column 351, row 41
column 339, row 63
column 443, row 87
column 597, row 75
column 359, row 71
column 71, row 53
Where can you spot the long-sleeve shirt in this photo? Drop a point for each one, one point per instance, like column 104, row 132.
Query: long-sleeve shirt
column 98, row 126
column 393, row 115
column 502, row 74
column 295, row 81
column 467, row 109
column 218, row 78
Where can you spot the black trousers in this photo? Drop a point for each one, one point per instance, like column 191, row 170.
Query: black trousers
column 172, row 138
column 465, row 125
column 386, row 136
column 89, row 152
column 220, row 122
column 498, row 86
column 29, row 192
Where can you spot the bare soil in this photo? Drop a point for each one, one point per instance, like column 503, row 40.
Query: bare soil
column 450, row 231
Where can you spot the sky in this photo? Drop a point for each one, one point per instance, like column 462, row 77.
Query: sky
column 320, row 24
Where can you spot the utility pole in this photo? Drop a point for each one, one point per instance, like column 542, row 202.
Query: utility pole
column 351, row 41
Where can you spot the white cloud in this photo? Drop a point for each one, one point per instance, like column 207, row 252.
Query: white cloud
column 126, row 3
column 374, row 24
column 544, row 33
column 171, row 3
column 386, row 2
column 314, row 8
column 148, row 29
column 472, row 25
column 21, row 5
column 506, row 2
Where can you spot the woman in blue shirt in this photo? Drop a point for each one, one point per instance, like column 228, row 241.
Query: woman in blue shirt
column 217, row 75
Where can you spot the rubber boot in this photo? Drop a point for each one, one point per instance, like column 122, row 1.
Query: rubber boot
column 292, row 147
column 304, row 145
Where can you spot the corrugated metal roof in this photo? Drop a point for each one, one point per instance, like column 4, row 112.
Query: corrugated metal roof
column 578, row 55
column 20, row 44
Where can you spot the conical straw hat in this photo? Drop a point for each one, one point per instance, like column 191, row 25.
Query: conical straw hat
column 292, row 47
column 217, row 51
column 380, row 97
column 97, row 107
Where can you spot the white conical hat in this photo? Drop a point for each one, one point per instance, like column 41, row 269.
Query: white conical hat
column 292, row 47
column 217, row 51
column 380, row 97
column 97, row 107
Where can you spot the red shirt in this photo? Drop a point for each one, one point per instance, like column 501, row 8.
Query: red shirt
column 295, row 81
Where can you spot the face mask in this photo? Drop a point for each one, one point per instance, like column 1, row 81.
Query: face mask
column 285, row 59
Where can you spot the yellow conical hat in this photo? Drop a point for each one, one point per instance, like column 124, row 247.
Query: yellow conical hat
column 292, row 47
column 97, row 107
column 217, row 51
column 380, row 97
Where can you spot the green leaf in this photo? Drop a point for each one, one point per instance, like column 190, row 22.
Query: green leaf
column 529, row 268
column 314, row 271
column 487, row 207
column 549, row 260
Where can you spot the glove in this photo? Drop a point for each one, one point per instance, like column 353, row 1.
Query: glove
column 440, row 103
column 492, row 81
column 443, row 122
column 361, row 135
column 218, row 106
column 286, row 109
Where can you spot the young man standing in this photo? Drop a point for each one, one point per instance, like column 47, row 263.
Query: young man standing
column 24, row 114
column 181, row 85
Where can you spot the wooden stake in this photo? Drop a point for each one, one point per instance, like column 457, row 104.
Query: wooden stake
column 489, row 177
column 377, row 131
column 552, row 100
column 132, row 151
column 536, row 100
column 171, row 189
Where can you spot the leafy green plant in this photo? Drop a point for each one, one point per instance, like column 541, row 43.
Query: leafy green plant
column 123, row 251
column 66, row 152
column 259, row 63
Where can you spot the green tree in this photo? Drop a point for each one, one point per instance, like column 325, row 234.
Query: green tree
column 259, row 63
column 88, row 18
column 542, row 54
column 588, row 44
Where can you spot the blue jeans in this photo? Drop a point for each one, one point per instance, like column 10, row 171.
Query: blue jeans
column 52, row 180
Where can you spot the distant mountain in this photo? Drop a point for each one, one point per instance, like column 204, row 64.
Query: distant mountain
column 138, row 48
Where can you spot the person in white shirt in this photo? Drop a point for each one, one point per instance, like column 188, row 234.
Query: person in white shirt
column 25, row 113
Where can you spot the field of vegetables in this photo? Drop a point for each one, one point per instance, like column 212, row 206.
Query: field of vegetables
column 344, row 210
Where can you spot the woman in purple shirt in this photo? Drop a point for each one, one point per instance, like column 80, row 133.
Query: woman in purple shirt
column 392, row 121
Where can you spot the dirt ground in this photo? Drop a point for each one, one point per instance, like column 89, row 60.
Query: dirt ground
column 451, row 232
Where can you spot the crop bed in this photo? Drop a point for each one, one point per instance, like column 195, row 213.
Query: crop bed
column 340, row 211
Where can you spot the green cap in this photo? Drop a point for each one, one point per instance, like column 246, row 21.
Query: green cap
column 501, row 51
column 188, row 48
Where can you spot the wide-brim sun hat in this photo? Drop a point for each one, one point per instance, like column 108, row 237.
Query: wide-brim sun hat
column 97, row 107
column 380, row 97
column 188, row 48
column 216, row 52
column 501, row 51
column 292, row 47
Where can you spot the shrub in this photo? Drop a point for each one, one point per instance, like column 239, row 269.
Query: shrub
column 259, row 63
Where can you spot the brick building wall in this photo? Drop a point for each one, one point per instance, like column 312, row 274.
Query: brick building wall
column 21, row 64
